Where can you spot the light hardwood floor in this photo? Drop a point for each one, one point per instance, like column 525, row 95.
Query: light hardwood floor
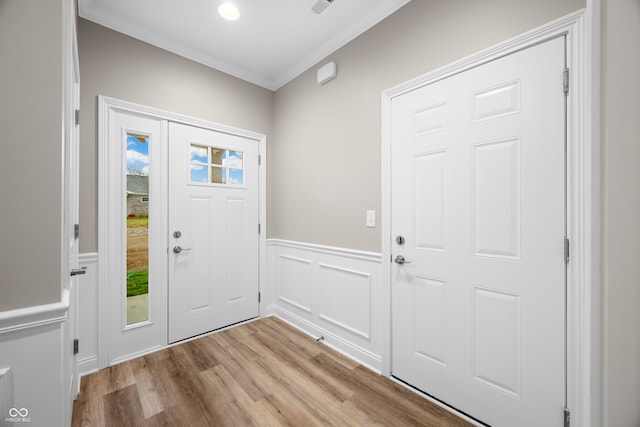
column 264, row 373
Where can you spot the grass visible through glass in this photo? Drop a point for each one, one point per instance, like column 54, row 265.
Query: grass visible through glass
column 137, row 229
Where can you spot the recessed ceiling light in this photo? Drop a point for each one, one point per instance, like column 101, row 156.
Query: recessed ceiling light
column 229, row 11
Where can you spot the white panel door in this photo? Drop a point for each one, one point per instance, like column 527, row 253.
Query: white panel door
column 213, row 230
column 478, row 193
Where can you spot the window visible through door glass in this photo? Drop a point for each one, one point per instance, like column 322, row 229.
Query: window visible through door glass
column 216, row 165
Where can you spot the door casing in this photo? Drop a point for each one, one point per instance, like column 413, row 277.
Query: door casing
column 583, row 301
column 105, row 106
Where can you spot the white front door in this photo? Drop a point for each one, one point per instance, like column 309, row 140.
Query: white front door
column 478, row 196
column 213, row 230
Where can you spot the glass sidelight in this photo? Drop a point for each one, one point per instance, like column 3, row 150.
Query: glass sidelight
column 137, row 221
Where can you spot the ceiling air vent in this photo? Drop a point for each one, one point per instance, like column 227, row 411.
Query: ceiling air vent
column 321, row 5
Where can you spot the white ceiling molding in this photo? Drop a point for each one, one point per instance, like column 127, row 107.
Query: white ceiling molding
column 271, row 44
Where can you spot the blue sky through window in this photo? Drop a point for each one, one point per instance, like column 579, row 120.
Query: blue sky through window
column 137, row 155
column 215, row 165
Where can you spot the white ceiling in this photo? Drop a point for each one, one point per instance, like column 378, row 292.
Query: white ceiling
column 273, row 41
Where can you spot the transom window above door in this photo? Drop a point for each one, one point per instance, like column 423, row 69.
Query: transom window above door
column 215, row 166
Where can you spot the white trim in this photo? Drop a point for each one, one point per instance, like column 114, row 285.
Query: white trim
column 336, row 342
column 35, row 316
column 331, row 250
column 87, row 366
column 374, row 14
column 583, row 300
column 584, row 392
column 87, row 313
column 106, row 104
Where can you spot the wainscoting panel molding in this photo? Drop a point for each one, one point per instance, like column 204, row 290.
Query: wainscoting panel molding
column 352, row 311
column 31, row 356
column 6, row 396
column 294, row 276
column 333, row 294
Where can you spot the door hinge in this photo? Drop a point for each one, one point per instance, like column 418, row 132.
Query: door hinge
column 566, row 250
column 565, row 80
column 259, row 160
column 76, row 346
column 567, row 417
column 76, row 231
column 259, row 228
column 259, row 297
column 77, row 117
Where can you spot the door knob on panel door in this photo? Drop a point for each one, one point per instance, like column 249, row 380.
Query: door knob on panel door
column 178, row 249
column 400, row 260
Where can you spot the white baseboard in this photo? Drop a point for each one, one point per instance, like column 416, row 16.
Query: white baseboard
column 358, row 354
column 88, row 365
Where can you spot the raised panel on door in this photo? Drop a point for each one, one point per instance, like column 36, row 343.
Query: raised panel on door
column 478, row 190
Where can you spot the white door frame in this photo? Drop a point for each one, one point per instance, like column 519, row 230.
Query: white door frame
column 107, row 104
column 583, row 186
column 70, row 187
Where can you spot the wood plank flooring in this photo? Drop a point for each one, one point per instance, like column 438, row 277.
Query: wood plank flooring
column 263, row 373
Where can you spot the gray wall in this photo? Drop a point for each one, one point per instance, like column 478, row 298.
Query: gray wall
column 621, row 211
column 31, row 94
column 324, row 157
column 118, row 66
column 325, row 167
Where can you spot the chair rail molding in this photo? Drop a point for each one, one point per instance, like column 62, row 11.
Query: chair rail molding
column 35, row 316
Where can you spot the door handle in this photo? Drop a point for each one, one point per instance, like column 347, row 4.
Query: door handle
column 178, row 249
column 78, row 271
column 400, row 260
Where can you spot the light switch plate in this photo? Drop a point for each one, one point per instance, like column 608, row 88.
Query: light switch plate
column 371, row 219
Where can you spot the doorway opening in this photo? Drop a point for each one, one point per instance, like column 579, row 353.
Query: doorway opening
column 141, row 255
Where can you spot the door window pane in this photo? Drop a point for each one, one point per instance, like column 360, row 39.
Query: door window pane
column 235, row 177
column 215, row 165
column 198, row 173
column 137, row 221
column 217, row 175
column 199, row 154
column 233, row 159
